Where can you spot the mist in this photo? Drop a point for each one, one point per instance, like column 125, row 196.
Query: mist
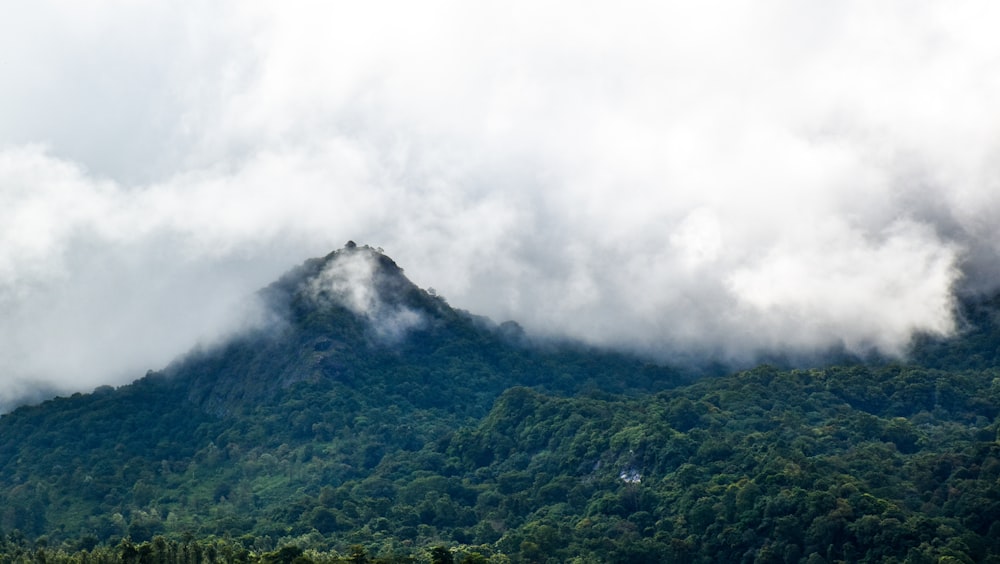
column 353, row 280
column 724, row 178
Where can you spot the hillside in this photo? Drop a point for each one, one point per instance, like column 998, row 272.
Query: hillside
column 371, row 421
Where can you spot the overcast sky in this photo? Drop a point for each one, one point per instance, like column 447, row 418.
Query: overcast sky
column 669, row 176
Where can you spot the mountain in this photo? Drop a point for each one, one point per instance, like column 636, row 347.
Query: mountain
column 352, row 323
column 367, row 420
column 354, row 361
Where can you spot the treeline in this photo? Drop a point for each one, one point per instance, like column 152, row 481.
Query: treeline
column 15, row 550
column 854, row 464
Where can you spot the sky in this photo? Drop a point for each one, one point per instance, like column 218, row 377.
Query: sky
column 673, row 178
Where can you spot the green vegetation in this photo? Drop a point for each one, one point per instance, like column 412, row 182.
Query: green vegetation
column 317, row 442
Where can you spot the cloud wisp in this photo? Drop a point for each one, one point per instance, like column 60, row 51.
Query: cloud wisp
column 353, row 279
column 725, row 178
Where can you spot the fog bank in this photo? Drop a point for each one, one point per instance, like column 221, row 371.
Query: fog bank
column 724, row 177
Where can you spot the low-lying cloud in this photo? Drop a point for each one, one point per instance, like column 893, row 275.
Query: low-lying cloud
column 353, row 279
column 723, row 178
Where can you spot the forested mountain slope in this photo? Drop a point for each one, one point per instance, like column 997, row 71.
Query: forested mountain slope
column 381, row 424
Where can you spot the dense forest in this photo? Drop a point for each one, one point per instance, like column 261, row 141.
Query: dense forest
column 408, row 431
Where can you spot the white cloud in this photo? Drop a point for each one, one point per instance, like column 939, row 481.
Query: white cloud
column 722, row 176
column 831, row 295
column 354, row 280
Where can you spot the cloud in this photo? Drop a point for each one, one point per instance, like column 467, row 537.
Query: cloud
column 727, row 177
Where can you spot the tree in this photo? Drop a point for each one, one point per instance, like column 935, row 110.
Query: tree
column 441, row 555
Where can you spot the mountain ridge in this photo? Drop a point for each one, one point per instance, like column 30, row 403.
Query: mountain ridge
column 369, row 412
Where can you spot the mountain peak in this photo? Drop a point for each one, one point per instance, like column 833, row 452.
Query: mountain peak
column 324, row 316
column 371, row 286
column 359, row 278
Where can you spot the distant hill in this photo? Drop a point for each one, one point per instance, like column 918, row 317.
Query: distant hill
column 371, row 421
